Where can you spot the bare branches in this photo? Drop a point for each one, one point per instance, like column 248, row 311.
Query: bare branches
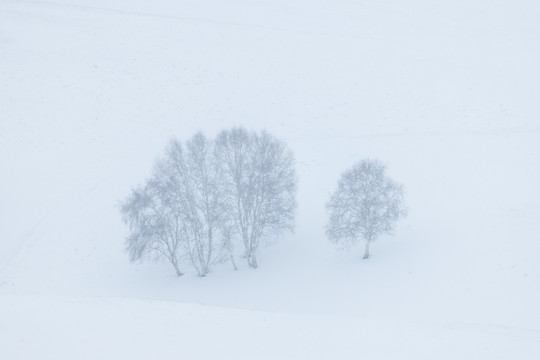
column 365, row 205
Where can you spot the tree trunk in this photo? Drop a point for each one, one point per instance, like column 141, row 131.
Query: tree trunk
column 205, row 270
column 233, row 263
column 178, row 272
column 366, row 250
column 252, row 261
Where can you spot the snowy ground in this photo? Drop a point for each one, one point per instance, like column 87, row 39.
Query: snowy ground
column 134, row 329
column 446, row 95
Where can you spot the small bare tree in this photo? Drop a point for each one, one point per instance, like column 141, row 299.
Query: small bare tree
column 155, row 224
column 259, row 186
column 365, row 205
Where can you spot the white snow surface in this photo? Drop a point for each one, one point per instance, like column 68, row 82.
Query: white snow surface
column 446, row 94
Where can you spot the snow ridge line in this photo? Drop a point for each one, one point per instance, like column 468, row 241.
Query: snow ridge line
column 51, row 4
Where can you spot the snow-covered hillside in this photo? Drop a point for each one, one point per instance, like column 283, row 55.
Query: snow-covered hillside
column 445, row 94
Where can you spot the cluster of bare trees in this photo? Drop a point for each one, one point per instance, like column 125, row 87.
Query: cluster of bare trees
column 210, row 195
column 209, row 198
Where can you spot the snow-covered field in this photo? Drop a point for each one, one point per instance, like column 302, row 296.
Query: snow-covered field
column 448, row 95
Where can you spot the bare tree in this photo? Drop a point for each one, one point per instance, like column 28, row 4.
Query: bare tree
column 155, row 225
column 259, row 186
column 365, row 205
column 205, row 207
column 182, row 211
